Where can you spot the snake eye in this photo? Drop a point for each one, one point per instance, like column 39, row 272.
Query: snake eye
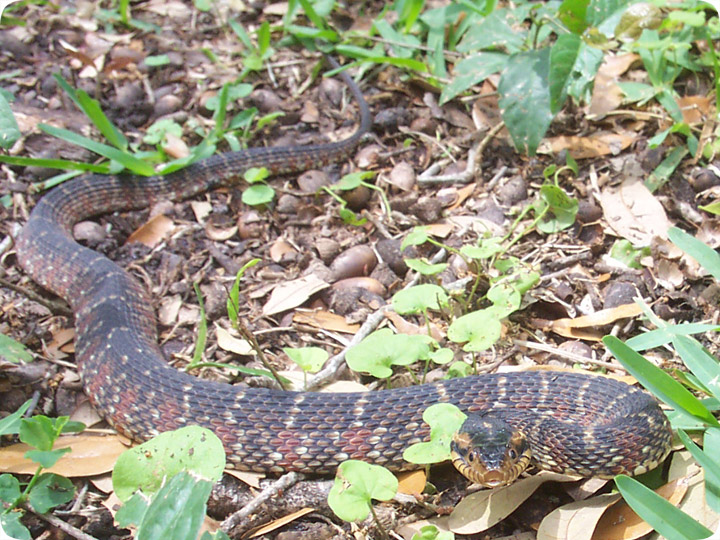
column 512, row 454
column 471, row 456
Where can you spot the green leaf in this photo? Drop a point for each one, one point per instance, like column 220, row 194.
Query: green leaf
column 10, row 425
column 49, row 491
column 356, row 484
column 563, row 55
column 146, row 466
column 54, row 164
column 382, row 349
column 703, row 254
column 157, row 60
column 458, row 370
column 658, row 382
column 9, row 488
column 416, row 237
column 442, row 356
column 9, row 129
column 572, row 14
column 41, row 431
column 424, row 267
column 486, row 248
column 258, row 194
column 127, row 160
column 662, row 336
column 46, row 458
column 480, row 329
column 562, row 209
column 703, row 365
column 471, row 71
column 419, row 298
column 132, row 512
column 13, row 351
column 178, row 510
column 622, row 250
column 444, row 420
column 92, row 109
column 496, row 31
column 10, row 525
column 662, row 516
column 525, row 98
column 233, row 301
column 310, row 359
column 709, row 463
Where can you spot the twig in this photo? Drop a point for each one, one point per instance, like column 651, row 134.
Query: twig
column 64, row 526
column 565, row 355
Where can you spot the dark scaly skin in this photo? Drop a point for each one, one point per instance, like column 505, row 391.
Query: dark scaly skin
column 575, row 423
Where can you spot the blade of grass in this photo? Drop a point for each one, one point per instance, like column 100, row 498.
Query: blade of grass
column 709, row 463
column 700, row 362
column 658, row 382
column 54, row 164
column 667, row 520
column 705, row 255
column 127, row 160
column 93, row 110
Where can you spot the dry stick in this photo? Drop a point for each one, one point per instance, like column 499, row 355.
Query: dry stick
column 284, row 482
column 565, row 355
column 64, row 526
column 468, row 175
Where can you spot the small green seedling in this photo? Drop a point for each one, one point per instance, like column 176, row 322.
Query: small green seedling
column 165, row 483
column 356, row 484
column 378, row 352
column 310, row 359
column 622, row 250
column 419, row 299
column 431, row 532
column 479, row 330
column 14, row 351
column 349, row 182
column 259, row 193
column 444, row 420
column 422, row 266
column 44, row 491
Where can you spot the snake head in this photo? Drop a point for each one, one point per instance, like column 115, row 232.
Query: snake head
column 488, row 451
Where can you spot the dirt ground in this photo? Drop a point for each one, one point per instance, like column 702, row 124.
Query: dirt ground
column 301, row 236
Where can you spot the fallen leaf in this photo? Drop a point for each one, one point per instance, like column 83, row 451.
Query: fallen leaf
column 412, row 482
column 594, row 145
column 227, row 342
column 620, row 521
column 153, row 231
column 587, row 327
column 576, row 520
column 331, row 322
column 481, row 510
column 291, row 294
column 277, row 523
column 632, row 212
column 91, row 455
column 201, row 209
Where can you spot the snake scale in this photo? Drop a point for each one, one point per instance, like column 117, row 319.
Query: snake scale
column 574, row 423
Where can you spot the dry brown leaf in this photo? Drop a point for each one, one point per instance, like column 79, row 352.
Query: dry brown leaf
column 441, row 230
column 86, row 414
column 201, row 209
column 220, row 234
column 174, row 146
column 412, row 482
column 462, row 194
column 331, row 322
column 406, row 327
column 227, row 342
column 621, row 521
column 154, row 231
column 594, row 145
column 61, row 344
column 291, row 294
column 695, row 109
column 91, row 455
column 481, row 510
column 169, row 309
column 277, row 523
column 632, row 212
column 573, row 327
column 575, row 521
column 607, row 95
column 103, row 482
column 280, row 248
column 252, row 479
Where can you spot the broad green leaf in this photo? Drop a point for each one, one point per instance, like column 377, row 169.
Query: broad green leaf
column 658, row 382
column 147, row 466
column 667, row 520
column 702, row 253
column 9, row 488
column 356, row 484
column 444, row 420
column 525, row 98
column 10, row 425
column 563, row 55
column 479, row 330
column 11, row 526
column 310, row 359
column 378, row 352
column 472, row 70
column 709, row 463
column 419, row 298
column 703, row 365
column 258, row 194
column 9, row 129
column 662, row 336
column 13, row 351
column 49, row 491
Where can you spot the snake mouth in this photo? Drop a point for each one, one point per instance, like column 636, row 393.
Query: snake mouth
column 489, row 452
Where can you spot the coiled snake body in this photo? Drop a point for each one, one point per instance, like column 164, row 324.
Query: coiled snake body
column 574, row 423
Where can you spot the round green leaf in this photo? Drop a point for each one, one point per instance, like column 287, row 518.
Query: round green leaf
column 356, row 484
column 479, row 330
column 419, row 298
column 444, row 420
column 258, row 194
column 144, row 467
column 308, row 358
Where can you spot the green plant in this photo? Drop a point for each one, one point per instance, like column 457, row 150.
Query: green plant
column 353, row 181
column 689, row 412
column 44, row 491
column 165, row 483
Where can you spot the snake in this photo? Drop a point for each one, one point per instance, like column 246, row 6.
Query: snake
column 570, row 422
